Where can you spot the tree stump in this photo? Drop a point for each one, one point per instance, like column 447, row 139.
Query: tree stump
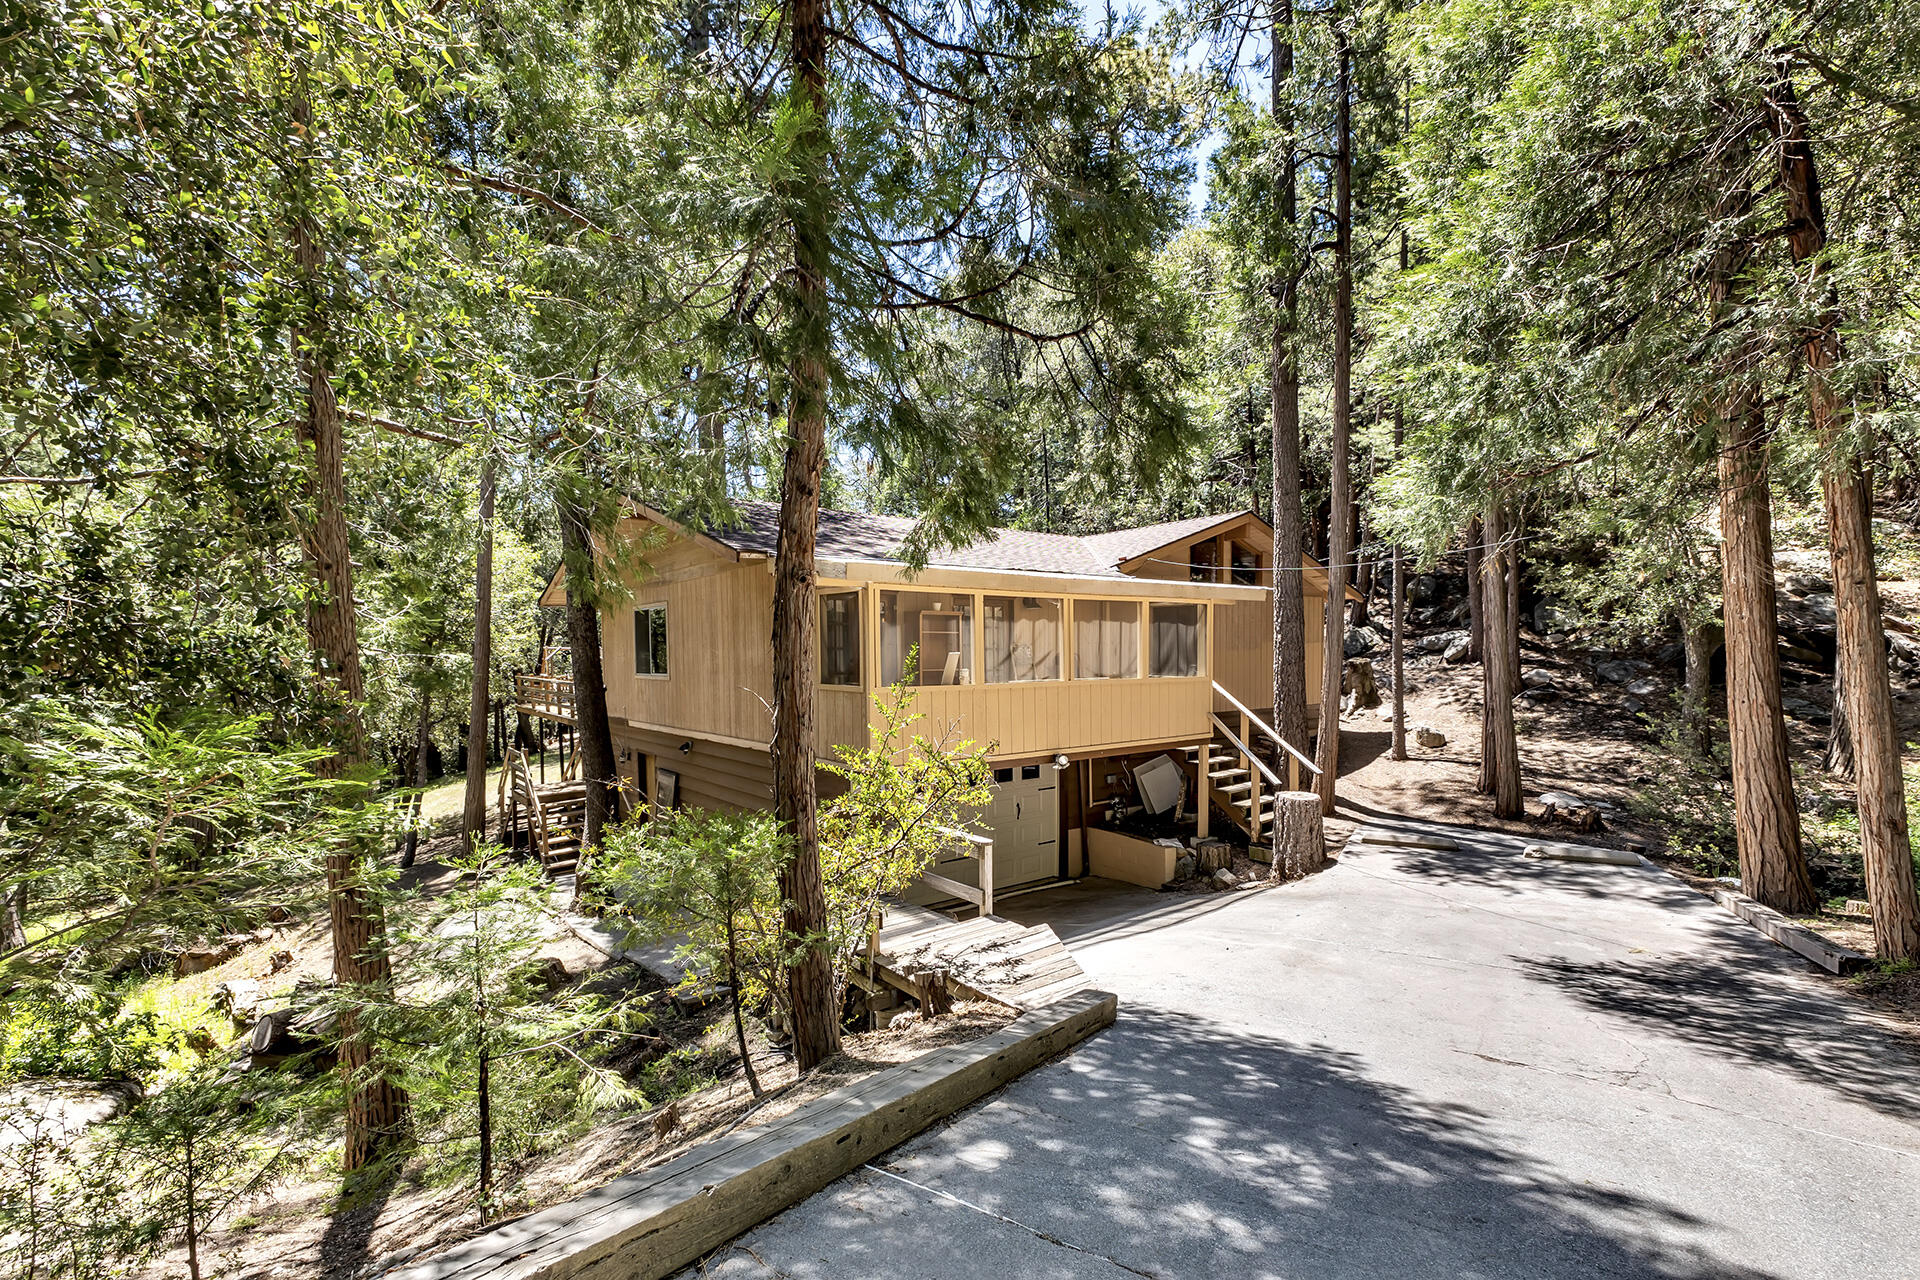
column 1357, row 683
column 1211, row 855
column 930, row 986
column 1299, row 839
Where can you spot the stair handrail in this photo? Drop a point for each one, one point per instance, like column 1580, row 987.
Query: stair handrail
column 1265, row 728
column 1247, row 751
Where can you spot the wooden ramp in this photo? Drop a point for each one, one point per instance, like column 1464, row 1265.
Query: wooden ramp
column 987, row 958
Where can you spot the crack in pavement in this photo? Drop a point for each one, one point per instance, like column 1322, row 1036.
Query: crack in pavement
column 1036, row 1232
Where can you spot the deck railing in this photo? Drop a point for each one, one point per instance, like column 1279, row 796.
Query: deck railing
column 549, row 697
column 972, row 846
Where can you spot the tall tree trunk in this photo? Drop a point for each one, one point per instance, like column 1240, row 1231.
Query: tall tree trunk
column 1511, row 627
column 816, row 1023
column 1339, row 526
column 376, row 1105
column 473, row 821
column 1289, row 549
column 422, row 735
column 1399, row 596
column 1697, row 642
column 1838, row 760
column 1476, row 598
column 595, row 730
column 1860, row 677
column 1502, row 754
column 1773, row 867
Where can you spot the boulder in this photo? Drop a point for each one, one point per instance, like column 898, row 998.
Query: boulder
column 1535, row 678
column 1534, row 699
column 1360, row 641
column 1806, row 584
column 1645, row 686
column 1225, row 878
column 1457, row 650
column 1801, row 709
column 1438, row 642
column 1428, row 736
column 1903, row 650
column 1547, row 619
column 1619, row 672
column 1184, row 868
column 1632, row 706
column 1426, row 589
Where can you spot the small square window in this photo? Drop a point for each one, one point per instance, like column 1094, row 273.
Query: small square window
column 1028, row 772
column 1003, row 775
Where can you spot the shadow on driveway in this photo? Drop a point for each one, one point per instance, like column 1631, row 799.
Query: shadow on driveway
column 1167, row 1148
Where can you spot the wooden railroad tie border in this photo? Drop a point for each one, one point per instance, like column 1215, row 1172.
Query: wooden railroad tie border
column 650, row 1224
column 1830, row 956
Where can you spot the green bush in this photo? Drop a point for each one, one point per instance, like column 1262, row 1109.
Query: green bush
column 77, row 1033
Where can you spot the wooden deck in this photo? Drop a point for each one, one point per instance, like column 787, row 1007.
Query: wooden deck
column 987, row 958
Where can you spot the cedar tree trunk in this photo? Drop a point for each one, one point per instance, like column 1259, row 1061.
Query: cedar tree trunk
column 376, row 1106
column 1339, row 551
column 595, row 741
column 1289, row 550
column 1502, row 760
column 1864, row 700
column 474, row 819
column 816, row 1024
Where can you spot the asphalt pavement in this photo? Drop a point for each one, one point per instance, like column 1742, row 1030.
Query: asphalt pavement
column 1449, row 1064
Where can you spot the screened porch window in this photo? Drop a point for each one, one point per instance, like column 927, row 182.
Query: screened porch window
column 650, row 640
column 1022, row 637
column 1176, row 639
column 1106, row 640
column 938, row 625
column 840, row 638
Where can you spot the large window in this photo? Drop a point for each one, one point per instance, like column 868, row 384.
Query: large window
column 938, row 626
column 1176, row 639
column 650, row 640
column 1106, row 640
column 1022, row 635
column 840, row 638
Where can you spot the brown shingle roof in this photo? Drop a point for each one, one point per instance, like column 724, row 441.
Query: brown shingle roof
column 852, row 535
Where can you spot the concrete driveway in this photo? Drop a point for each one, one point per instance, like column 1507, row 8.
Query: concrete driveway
column 1453, row 1065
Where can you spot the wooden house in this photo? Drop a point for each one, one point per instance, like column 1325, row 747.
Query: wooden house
column 1071, row 659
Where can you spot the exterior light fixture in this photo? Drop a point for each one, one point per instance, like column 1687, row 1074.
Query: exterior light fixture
column 686, row 748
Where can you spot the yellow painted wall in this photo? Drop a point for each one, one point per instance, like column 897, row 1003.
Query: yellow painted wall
column 1129, row 859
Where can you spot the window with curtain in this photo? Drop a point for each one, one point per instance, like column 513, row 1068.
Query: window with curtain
column 1022, row 635
column 937, row 624
column 1106, row 640
column 840, row 638
column 650, row 640
column 1176, row 639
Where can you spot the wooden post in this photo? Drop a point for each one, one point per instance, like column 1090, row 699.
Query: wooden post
column 1253, row 778
column 986, row 878
column 1200, row 797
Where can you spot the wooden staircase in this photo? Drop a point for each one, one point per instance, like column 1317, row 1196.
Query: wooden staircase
column 1236, row 780
column 554, row 817
column 1231, row 787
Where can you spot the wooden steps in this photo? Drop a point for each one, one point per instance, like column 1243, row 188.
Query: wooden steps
column 988, row 958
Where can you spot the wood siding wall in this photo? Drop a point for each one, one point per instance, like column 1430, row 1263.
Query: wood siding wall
column 1023, row 720
column 713, row 775
column 1243, row 652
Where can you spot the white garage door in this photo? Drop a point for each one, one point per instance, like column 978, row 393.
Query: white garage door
column 1024, row 821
